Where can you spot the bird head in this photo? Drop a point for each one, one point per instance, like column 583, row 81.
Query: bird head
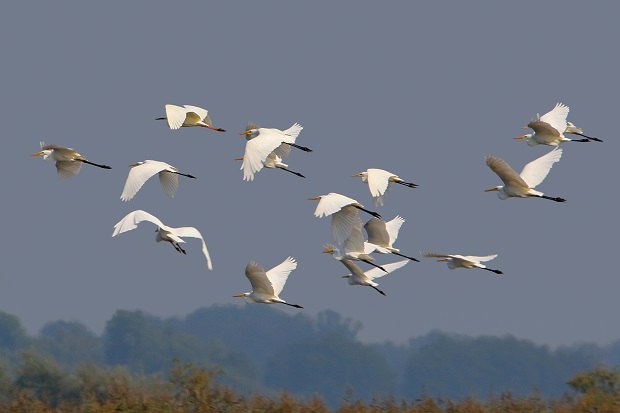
column 363, row 175
column 528, row 139
column 45, row 153
column 316, row 198
column 249, row 133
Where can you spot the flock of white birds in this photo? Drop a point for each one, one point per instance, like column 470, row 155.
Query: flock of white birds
column 268, row 147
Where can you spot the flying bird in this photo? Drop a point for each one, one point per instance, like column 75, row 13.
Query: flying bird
column 273, row 161
column 142, row 171
column 522, row 185
column 549, row 128
column 463, row 261
column 266, row 286
column 382, row 235
column 265, row 142
column 188, row 116
column 379, row 182
column 353, row 247
column 68, row 161
column 343, row 211
column 359, row 277
column 164, row 233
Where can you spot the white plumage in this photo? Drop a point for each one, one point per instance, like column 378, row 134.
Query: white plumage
column 188, row 116
column 463, row 261
column 164, row 232
column 379, row 182
column 143, row 171
column 266, row 286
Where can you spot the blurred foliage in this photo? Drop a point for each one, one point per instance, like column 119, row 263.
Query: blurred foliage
column 255, row 358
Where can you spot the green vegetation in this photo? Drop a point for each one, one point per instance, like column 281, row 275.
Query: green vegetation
column 228, row 358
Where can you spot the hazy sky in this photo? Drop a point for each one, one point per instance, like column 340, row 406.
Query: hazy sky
column 424, row 91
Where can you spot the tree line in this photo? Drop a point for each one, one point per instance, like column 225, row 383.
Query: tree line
column 264, row 351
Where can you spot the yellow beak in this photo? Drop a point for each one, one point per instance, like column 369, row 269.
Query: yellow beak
column 238, row 295
column 357, row 175
column 442, row 260
column 521, row 137
column 37, row 154
column 490, row 189
column 327, row 251
column 133, row 164
column 239, row 159
column 244, row 133
column 316, row 198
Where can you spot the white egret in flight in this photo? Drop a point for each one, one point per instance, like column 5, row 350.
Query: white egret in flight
column 382, row 235
column 353, row 247
column 142, row 171
column 549, row 128
column 264, row 142
column 463, row 261
column 273, row 161
column 359, row 277
column 164, row 232
column 343, row 211
column 188, row 116
column 379, row 182
column 266, row 286
column 68, row 161
column 522, row 185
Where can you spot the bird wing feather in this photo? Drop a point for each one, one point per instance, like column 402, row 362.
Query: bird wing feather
column 477, row 259
column 138, row 175
column 203, row 114
column 169, row 183
column 342, row 223
column 435, row 255
column 258, row 278
column 377, row 232
column 556, row 118
column 393, row 227
column 175, row 115
column 536, row 171
column 256, row 151
column 293, row 131
column 355, row 240
column 378, row 272
column 194, row 233
column 131, row 221
column 67, row 169
column 378, row 181
column 508, row 176
column 279, row 274
column 331, row 203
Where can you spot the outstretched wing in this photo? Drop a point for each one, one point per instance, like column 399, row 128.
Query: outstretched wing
column 258, row 278
column 67, row 169
column 378, row 181
column 435, row 255
column 175, row 116
column 474, row 258
column 202, row 114
column 277, row 275
column 378, row 272
column 377, row 232
column 536, row 171
column 393, row 227
column 556, row 118
column 342, row 223
column 508, row 176
column 293, row 131
column 193, row 233
column 139, row 174
column 256, row 151
column 355, row 240
column 131, row 221
column 331, row 203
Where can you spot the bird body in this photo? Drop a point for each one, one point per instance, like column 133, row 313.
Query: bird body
column 359, row 277
column 188, row 116
column 68, row 160
column 549, row 129
column 522, row 185
column 379, row 182
column 463, row 261
column 382, row 235
column 143, row 171
column 267, row 285
column 343, row 211
column 263, row 143
column 164, row 233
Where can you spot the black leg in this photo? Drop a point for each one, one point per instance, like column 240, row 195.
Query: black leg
column 381, row 292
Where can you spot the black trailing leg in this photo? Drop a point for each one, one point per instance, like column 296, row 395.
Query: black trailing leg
column 495, row 271
column 404, row 256
column 303, row 148
column 293, row 172
column 409, row 184
column 553, row 198
column 380, row 292
column 188, row 175
column 374, row 214
column 178, row 248
column 589, row 137
column 293, row 305
column 96, row 164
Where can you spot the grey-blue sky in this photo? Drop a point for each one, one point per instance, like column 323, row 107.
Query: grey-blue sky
column 423, row 90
